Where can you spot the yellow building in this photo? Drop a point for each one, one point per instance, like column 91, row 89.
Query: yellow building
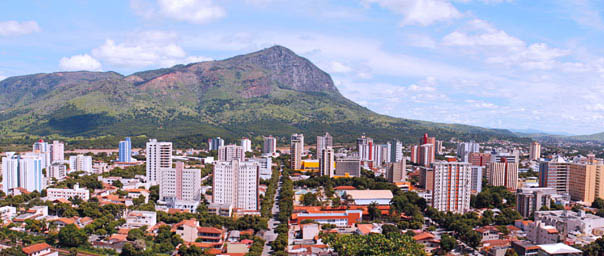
column 585, row 182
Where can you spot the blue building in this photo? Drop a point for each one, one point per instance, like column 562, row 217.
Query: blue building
column 215, row 143
column 125, row 149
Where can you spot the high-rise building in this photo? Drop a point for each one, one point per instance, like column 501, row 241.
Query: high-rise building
column 476, row 186
column 57, row 150
column 125, row 151
column 513, row 156
column 465, row 148
column 503, row 173
column 57, row 170
column 397, row 171
column 236, row 184
column 452, row 182
column 323, row 142
column 535, row 151
column 22, row 172
column 80, row 163
column 327, row 163
column 246, row 144
column 230, row 153
column 426, row 178
column 178, row 183
column 583, row 179
column 479, row 159
column 42, row 149
column 439, row 147
column 366, row 150
column 159, row 155
column 529, row 200
column 296, row 149
column 270, row 145
column 426, row 152
column 381, row 154
column 215, row 143
column 554, row 173
column 265, row 163
column 414, row 155
column 350, row 167
column 396, row 151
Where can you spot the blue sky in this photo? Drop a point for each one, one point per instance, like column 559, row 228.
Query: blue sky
column 493, row 63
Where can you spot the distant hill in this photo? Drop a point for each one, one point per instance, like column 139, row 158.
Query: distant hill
column 272, row 91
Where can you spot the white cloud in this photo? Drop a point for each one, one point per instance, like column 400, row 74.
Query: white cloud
column 338, row 67
column 16, row 28
column 145, row 49
column 498, row 47
column 193, row 11
column 419, row 12
column 80, row 62
column 481, row 33
column 2, row 77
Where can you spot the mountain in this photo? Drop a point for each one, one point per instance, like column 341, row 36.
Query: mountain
column 272, row 91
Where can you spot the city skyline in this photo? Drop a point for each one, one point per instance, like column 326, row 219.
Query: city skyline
column 446, row 61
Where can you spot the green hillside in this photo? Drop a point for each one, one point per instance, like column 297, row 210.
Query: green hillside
column 273, row 91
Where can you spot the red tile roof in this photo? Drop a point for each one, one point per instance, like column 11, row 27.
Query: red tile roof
column 36, row 248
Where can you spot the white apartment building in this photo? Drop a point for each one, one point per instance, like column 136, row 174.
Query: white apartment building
column 296, row 150
column 66, row 193
column 236, row 184
column 22, row 172
column 327, row 163
column 57, row 152
column 137, row 219
column 270, row 145
column 266, row 166
column 246, row 144
column 57, row 170
column 179, row 184
column 159, row 155
column 323, row 142
column 230, row 153
column 80, row 163
column 452, row 186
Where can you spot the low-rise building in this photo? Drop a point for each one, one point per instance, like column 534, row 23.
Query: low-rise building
column 137, row 219
column 569, row 221
column 67, row 193
column 367, row 197
column 41, row 249
column 558, row 249
column 340, row 218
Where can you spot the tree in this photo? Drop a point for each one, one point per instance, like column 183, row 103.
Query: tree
column 386, row 228
column 472, row 239
column 374, row 244
column 598, row 203
column 72, row 236
column 310, row 199
column 190, row 251
column 129, row 250
column 374, row 212
column 447, row 243
column 135, row 234
column 511, row 252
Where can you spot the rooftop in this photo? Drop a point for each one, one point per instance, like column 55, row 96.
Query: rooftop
column 558, row 248
column 369, row 194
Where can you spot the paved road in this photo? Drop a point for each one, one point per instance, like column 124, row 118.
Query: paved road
column 270, row 234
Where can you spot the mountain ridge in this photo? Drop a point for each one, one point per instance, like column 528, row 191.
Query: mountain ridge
column 271, row 91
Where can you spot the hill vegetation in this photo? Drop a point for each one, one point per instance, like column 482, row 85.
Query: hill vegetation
column 272, row 91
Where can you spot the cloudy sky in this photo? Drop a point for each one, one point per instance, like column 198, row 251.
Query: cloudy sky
column 505, row 64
